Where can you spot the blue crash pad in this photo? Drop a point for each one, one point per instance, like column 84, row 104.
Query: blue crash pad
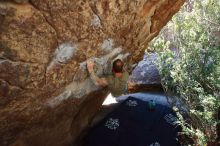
column 133, row 124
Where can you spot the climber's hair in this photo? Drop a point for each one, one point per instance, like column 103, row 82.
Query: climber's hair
column 118, row 66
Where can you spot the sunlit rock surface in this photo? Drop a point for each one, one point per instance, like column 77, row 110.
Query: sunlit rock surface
column 46, row 95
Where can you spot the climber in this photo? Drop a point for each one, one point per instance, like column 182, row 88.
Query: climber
column 116, row 82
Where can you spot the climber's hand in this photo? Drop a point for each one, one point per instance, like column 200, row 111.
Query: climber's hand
column 90, row 65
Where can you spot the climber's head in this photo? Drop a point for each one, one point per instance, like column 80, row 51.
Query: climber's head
column 117, row 66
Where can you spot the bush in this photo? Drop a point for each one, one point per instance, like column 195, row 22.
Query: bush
column 192, row 71
column 194, row 77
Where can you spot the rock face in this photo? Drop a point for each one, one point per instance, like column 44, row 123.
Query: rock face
column 46, row 95
column 145, row 76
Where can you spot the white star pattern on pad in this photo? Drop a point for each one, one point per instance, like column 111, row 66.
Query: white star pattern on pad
column 112, row 124
column 155, row 144
column 171, row 119
column 131, row 103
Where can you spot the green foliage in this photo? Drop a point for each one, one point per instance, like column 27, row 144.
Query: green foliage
column 192, row 71
column 160, row 44
column 194, row 78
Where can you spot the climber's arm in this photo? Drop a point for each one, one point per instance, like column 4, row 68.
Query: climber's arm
column 98, row 81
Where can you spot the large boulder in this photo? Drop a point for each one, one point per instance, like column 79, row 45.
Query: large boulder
column 145, row 76
column 46, row 95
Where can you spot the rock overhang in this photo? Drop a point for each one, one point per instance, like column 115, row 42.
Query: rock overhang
column 43, row 48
